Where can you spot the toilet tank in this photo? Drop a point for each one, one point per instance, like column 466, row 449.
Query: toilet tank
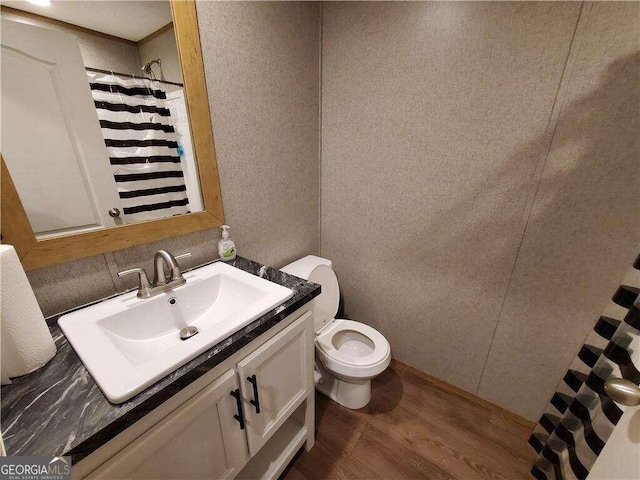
column 303, row 267
column 319, row 270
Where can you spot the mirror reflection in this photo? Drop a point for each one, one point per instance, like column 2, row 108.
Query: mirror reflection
column 95, row 131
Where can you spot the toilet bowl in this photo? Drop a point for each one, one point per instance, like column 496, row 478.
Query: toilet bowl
column 348, row 354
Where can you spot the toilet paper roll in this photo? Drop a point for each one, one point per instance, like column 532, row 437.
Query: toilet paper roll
column 25, row 342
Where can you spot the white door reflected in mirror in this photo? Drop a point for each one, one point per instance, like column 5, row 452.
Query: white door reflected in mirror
column 51, row 142
column 84, row 133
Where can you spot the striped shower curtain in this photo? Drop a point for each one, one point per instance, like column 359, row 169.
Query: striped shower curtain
column 580, row 417
column 143, row 145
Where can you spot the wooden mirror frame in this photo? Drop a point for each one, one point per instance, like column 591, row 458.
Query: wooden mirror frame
column 34, row 253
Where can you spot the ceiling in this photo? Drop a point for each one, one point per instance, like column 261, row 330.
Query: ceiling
column 132, row 20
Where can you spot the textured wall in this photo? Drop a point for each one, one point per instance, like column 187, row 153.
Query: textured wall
column 261, row 66
column 584, row 227
column 437, row 119
column 97, row 52
column 105, row 54
column 428, row 116
column 164, row 47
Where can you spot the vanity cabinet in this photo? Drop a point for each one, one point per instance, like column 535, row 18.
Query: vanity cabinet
column 275, row 380
column 200, row 440
column 247, row 419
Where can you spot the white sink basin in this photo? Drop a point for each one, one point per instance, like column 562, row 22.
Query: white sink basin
column 127, row 343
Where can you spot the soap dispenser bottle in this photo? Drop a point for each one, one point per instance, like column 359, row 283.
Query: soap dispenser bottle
column 226, row 246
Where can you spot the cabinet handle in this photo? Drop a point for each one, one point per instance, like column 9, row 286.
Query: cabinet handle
column 239, row 417
column 256, row 400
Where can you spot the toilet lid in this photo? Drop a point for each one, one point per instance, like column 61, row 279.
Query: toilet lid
column 325, row 304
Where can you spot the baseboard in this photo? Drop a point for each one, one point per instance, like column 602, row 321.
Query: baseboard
column 528, row 424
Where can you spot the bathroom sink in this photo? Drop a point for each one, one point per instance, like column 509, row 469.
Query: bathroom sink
column 128, row 343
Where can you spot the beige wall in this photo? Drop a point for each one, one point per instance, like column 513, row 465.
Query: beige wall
column 97, row 52
column 261, row 63
column 262, row 66
column 583, row 231
column 164, row 47
column 437, row 119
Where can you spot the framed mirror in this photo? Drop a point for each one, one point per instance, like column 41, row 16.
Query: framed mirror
column 106, row 131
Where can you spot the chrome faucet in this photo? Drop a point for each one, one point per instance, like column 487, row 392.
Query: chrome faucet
column 160, row 277
column 162, row 281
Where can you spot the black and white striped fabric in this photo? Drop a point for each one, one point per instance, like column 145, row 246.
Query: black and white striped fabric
column 580, row 417
column 143, row 146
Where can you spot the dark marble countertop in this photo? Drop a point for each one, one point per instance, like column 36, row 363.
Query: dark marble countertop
column 59, row 409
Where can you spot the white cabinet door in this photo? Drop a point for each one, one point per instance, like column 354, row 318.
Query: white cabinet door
column 202, row 439
column 275, row 380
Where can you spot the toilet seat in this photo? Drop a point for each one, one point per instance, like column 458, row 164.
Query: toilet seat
column 338, row 352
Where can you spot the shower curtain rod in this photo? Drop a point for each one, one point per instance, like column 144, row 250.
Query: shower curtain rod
column 98, row 70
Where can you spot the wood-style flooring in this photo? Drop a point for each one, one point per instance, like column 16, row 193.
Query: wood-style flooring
column 414, row 428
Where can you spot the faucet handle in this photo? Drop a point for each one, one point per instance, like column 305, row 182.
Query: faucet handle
column 144, row 286
column 184, row 255
column 175, row 275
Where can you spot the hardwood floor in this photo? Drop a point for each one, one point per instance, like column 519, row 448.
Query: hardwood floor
column 415, row 428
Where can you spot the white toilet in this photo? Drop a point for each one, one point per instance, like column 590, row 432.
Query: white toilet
column 348, row 354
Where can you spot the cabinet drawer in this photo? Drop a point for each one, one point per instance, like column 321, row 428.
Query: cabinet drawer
column 276, row 379
column 201, row 439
